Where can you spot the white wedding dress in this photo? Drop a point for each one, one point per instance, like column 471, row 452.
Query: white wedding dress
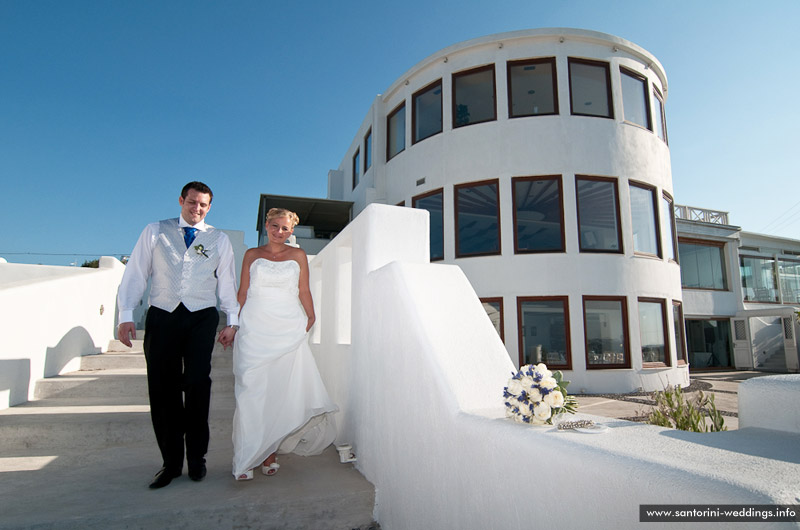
column 281, row 402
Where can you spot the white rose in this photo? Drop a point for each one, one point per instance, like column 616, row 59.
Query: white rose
column 541, row 411
column 542, row 369
column 555, row 399
column 534, row 396
column 536, row 421
column 526, row 382
column 548, row 383
column 515, row 387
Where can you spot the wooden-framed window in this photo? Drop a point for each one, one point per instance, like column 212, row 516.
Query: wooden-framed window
column 543, row 328
column 660, row 116
column 605, row 325
column 474, row 96
column 598, row 214
column 653, row 333
column 356, row 167
column 678, row 326
column 538, row 214
column 635, row 100
column 644, row 219
column 433, row 201
column 477, row 216
column 368, row 150
column 396, row 131
column 494, row 310
column 427, row 112
column 669, row 233
column 532, row 87
column 590, row 88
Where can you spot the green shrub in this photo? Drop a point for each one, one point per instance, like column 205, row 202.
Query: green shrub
column 675, row 411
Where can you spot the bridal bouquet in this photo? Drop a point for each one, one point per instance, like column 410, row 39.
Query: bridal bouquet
column 535, row 395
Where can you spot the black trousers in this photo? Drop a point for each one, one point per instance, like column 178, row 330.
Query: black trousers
column 178, row 348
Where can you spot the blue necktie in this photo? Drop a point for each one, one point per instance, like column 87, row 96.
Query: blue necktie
column 189, row 233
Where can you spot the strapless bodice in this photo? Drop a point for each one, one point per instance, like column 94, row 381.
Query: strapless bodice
column 266, row 274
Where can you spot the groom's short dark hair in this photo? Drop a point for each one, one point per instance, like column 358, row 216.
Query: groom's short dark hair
column 198, row 186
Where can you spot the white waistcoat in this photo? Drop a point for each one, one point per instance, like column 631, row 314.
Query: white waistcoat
column 184, row 275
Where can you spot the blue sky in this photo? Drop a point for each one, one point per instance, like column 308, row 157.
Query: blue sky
column 108, row 107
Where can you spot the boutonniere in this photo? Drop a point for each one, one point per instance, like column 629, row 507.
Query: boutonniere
column 200, row 249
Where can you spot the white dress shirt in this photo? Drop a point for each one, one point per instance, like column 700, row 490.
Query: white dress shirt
column 139, row 269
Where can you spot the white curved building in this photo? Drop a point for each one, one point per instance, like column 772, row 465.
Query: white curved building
column 543, row 160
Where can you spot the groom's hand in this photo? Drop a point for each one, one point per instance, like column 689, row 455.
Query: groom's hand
column 226, row 337
column 125, row 332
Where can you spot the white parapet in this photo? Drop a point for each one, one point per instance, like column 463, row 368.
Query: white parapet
column 770, row 403
column 50, row 317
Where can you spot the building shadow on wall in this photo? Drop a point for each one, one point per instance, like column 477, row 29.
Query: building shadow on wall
column 15, row 376
column 76, row 343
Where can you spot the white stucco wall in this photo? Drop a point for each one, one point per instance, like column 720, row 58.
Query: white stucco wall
column 409, row 355
column 770, row 403
column 50, row 317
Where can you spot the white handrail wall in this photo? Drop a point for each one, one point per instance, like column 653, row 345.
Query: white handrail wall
column 50, row 317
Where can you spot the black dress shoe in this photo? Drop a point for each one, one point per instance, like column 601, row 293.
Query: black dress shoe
column 163, row 478
column 198, row 472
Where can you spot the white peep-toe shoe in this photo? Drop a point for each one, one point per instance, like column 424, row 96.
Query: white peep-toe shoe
column 270, row 469
column 246, row 476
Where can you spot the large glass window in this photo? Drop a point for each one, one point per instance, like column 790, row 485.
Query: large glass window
column 474, row 96
column 758, row 279
column 396, row 132
column 494, row 309
column 544, row 331
column 356, row 167
column 660, row 115
column 434, row 203
column 368, row 150
column 709, row 343
column 532, row 89
column 668, row 227
column 605, row 322
column 644, row 220
column 477, row 208
column 677, row 324
column 702, row 265
column 598, row 214
column 635, row 104
column 789, row 274
column 427, row 112
column 538, row 214
column 590, row 88
column 653, row 331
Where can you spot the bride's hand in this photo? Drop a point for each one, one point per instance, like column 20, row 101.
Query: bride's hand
column 311, row 321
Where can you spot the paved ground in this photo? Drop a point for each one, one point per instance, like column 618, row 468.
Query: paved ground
column 723, row 385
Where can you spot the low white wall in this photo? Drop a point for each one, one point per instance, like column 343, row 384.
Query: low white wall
column 413, row 362
column 50, row 317
column 770, row 403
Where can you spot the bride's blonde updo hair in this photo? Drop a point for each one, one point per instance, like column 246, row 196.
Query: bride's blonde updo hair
column 274, row 213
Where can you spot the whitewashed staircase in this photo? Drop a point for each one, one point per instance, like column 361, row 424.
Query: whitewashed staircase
column 83, row 452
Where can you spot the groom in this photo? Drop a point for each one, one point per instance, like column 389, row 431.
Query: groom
column 189, row 262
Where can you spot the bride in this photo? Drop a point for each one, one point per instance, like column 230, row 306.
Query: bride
column 281, row 402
